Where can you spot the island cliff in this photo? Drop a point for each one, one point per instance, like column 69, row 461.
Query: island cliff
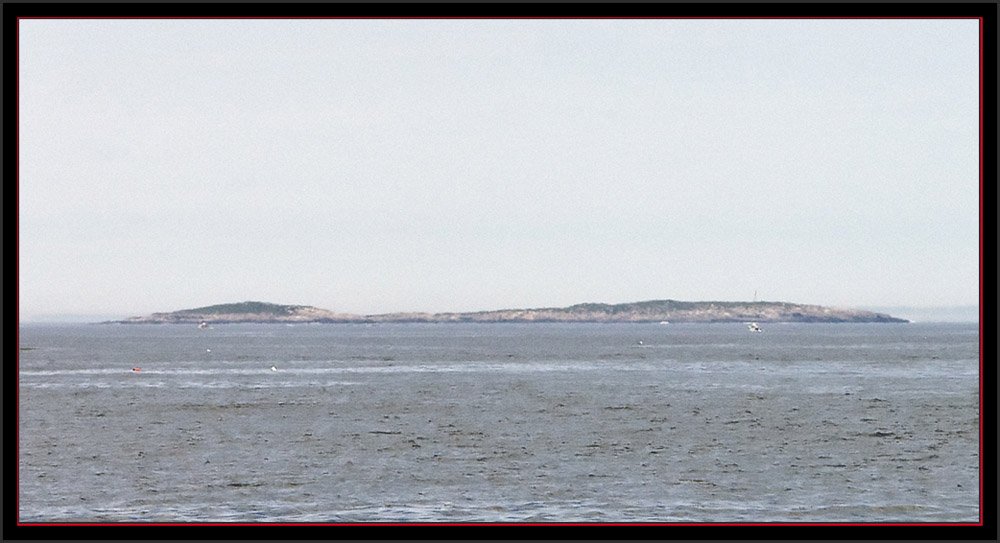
column 650, row 311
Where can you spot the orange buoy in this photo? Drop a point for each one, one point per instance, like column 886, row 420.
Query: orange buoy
column 136, row 369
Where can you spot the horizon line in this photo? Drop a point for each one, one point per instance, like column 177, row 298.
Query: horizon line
column 98, row 316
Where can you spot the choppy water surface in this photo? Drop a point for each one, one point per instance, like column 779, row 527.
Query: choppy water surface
column 499, row 423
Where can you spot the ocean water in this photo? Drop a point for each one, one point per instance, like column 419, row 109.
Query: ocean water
column 802, row 423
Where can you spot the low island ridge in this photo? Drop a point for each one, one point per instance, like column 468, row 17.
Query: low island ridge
column 653, row 311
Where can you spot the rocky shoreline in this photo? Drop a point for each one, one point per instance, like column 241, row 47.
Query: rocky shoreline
column 665, row 311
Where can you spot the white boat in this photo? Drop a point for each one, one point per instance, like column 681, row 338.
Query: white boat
column 753, row 327
column 203, row 324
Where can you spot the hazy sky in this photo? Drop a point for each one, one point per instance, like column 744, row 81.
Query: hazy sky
column 370, row 166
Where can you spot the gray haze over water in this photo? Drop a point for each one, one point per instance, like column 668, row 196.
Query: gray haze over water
column 375, row 166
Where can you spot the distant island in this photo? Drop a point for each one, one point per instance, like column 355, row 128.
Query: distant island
column 665, row 311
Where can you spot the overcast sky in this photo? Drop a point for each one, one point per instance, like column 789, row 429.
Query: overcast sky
column 371, row 166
